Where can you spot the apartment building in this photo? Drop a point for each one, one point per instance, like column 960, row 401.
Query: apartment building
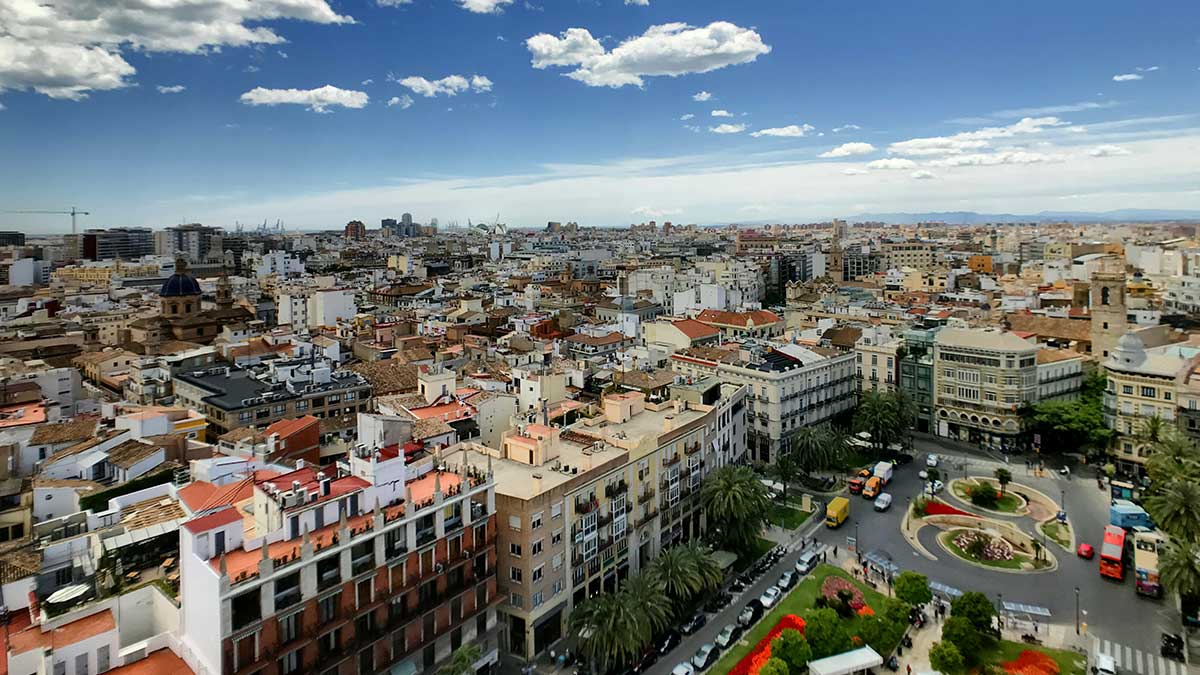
column 981, row 380
column 790, row 386
column 876, row 361
column 384, row 564
column 581, row 507
column 915, row 254
column 740, row 325
column 1143, row 383
column 1060, row 374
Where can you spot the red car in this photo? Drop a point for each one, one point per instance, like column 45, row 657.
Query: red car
column 1085, row 551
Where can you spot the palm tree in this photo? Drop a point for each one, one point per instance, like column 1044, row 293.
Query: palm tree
column 462, row 661
column 837, row 441
column 1152, row 430
column 607, row 630
column 1179, row 568
column 708, row 572
column 1004, row 477
column 1176, row 509
column 1173, row 456
column 646, row 593
column 786, row 468
column 810, row 445
column 675, row 571
column 735, row 500
column 876, row 415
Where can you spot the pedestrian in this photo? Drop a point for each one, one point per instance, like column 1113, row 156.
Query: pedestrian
column 835, row 551
column 910, row 669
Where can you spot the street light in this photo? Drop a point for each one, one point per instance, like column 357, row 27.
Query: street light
column 1077, row 610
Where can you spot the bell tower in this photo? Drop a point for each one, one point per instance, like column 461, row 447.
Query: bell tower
column 1107, row 311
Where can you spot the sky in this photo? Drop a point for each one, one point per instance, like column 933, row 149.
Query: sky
column 604, row 112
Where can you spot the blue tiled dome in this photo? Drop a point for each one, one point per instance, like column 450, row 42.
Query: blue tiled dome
column 180, row 283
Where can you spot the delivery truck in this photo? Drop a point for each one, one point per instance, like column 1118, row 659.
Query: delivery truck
column 883, row 471
column 837, row 512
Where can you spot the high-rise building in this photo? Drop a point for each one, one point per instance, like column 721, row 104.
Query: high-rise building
column 11, row 238
column 124, row 243
column 356, row 230
column 198, row 243
column 406, row 218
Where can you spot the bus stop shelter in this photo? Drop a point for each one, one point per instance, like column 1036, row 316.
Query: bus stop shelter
column 855, row 661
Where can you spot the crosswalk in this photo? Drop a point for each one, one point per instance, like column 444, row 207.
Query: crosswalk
column 1130, row 660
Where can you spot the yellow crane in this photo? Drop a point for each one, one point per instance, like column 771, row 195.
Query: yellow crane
column 73, row 213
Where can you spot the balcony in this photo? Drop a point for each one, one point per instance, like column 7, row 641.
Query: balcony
column 614, row 489
column 426, row 536
column 669, row 461
column 646, row 496
column 583, row 505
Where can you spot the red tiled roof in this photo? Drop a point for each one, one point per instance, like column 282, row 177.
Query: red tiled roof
column 213, row 520
column 695, row 329
column 287, row 428
column 66, row 634
column 760, row 317
column 196, row 493
column 158, row 663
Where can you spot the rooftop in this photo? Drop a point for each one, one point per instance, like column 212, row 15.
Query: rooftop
column 982, row 339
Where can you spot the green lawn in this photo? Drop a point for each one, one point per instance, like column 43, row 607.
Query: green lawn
column 1007, row 503
column 947, row 539
column 1069, row 662
column 750, row 555
column 799, row 602
column 787, row 515
column 1059, row 532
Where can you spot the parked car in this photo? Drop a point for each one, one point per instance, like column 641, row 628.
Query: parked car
column 1085, row 551
column 649, row 658
column 728, row 636
column 883, row 501
column 786, row 581
column 751, row 613
column 770, row 597
column 694, row 624
column 806, row 563
column 684, row 668
column 931, row 460
column 668, row 642
column 705, row 656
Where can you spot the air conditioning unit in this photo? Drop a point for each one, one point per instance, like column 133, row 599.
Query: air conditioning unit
column 439, row 568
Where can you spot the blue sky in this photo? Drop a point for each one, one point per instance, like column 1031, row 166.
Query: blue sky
column 85, row 123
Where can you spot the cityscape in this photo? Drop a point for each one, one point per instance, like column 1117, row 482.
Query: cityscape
column 621, row 337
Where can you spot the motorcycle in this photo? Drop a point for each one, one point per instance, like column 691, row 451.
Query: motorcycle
column 1172, row 647
column 906, row 641
column 1030, row 639
column 893, row 664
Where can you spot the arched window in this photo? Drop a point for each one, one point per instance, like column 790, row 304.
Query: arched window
column 1104, row 295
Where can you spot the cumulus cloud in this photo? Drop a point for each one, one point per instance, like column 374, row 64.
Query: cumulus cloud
column 854, row 172
column 848, row 149
column 922, row 175
column 790, row 131
column 721, row 113
column 846, row 127
column 994, row 158
column 971, row 141
column 1126, row 77
column 170, row 89
column 651, row 212
column 701, row 96
column 892, row 163
column 728, row 128
column 318, row 100
column 451, row 85
column 685, row 117
column 66, row 50
column 405, row 102
column 671, row 49
column 484, row 6
column 1108, row 151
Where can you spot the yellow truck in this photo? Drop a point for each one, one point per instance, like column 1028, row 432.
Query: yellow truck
column 837, row 512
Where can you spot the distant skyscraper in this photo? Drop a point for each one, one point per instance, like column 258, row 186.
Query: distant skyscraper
column 406, row 219
column 356, row 229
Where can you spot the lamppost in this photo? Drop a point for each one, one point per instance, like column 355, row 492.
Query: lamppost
column 857, row 544
column 1077, row 610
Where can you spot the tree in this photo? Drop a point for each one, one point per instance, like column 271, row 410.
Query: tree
column 774, row 666
column 1070, row 424
column 708, row 572
column 932, row 475
column 876, row 632
column 878, row 416
column 912, row 588
column 462, row 661
column 959, row 632
column 826, row 634
column 810, row 448
column 1179, row 568
column 606, row 630
column 945, row 658
column 786, row 468
column 1004, row 477
column 1174, row 456
column 983, row 495
column 736, row 502
column 1176, row 509
column 646, row 593
column 675, row 571
column 976, row 608
column 1152, row 430
column 792, row 647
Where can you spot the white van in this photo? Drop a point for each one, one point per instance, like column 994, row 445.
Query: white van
column 1105, row 665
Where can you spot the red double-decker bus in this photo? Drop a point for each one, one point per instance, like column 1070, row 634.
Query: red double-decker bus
column 1112, row 553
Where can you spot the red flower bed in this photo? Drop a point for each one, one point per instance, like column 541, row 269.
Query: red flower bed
column 1030, row 662
column 756, row 657
column 833, row 584
column 933, row 508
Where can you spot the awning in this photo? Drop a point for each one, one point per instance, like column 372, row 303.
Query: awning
column 948, row 591
column 724, row 559
column 142, row 534
column 845, row 663
column 1031, row 610
column 883, row 561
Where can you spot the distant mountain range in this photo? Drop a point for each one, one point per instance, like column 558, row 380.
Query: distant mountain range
column 973, row 218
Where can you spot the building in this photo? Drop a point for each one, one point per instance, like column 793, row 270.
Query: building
column 740, row 325
column 916, row 373
column 1108, row 313
column 386, row 564
column 1060, row 374
column 915, row 254
column 181, row 315
column 11, row 238
column 356, row 230
column 680, row 334
column 982, row 378
column 194, row 242
column 125, row 243
column 875, row 357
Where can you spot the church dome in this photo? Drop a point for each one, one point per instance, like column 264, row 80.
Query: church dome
column 180, row 283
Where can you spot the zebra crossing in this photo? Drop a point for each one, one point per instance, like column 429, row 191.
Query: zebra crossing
column 1130, row 660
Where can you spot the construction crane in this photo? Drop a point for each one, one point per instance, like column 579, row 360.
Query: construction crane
column 73, row 212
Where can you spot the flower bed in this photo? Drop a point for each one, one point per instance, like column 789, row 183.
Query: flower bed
column 756, row 657
column 1030, row 662
column 831, row 586
column 935, row 508
column 995, row 548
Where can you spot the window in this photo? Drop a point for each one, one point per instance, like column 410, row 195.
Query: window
column 536, row 599
column 535, row 521
column 289, row 627
column 1127, row 389
column 556, row 537
column 537, row 547
column 329, row 606
column 514, row 550
column 556, row 511
column 515, row 574
column 556, row 561
column 537, row 573
column 514, row 523
column 301, row 405
column 290, row 663
column 557, row 587
column 516, row 600
column 1148, row 392
column 1166, row 395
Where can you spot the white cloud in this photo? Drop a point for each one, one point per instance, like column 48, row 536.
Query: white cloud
column 251, row 69
column 651, row 212
column 484, row 6
column 701, row 96
column 922, row 175
column 367, row 82
column 1108, row 151
column 721, row 113
column 282, row 54
column 854, row 172
column 685, row 117
column 405, row 102
column 66, row 50
column 694, row 128
column 790, row 131
column 640, row 3
column 846, row 127
column 848, row 149
column 671, row 49
column 1150, row 69
column 728, row 128
column 892, row 163
column 994, row 158
column 170, row 89
column 392, row 3
column 2, row 107
column 451, row 85
column 318, row 100
column 971, row 140
column 1126, row 77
